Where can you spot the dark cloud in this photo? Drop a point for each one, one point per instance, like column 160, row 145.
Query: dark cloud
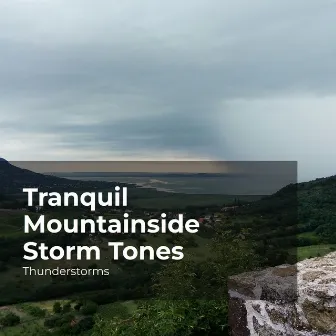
column 206, row 78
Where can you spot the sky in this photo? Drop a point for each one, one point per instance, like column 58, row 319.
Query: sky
column 169, row 80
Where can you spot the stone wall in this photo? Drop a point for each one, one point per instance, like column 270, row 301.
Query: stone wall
column 285, row 300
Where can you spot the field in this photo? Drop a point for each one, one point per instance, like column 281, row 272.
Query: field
column 312, row 251
column 314, row 239
column 27, row 321
column 267, row 225
column 35, row 325
column 16, row 286
column 174, row 200
column 122, row 309
column 14, row 276
column 11, row 222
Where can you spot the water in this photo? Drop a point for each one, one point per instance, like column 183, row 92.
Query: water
column 193, row 183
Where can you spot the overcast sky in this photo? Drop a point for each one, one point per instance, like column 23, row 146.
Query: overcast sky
column 149, row 79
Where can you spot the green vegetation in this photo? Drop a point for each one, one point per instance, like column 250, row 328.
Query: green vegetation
column 23, row 319
column 89, row 308
column 34, row 310
column 157, row 298
column 187, row 295
column 183, row 201
column 9, row 319
column 312, row 251
column 57, row 308
column 123, row 309
column 168, row 318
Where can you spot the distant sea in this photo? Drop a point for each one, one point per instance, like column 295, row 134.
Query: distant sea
column 228, row 184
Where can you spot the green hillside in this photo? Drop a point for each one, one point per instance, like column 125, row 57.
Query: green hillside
column 139, row 297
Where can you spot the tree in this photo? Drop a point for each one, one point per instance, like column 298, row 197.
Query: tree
column 187, row 301
column 89, row 308
column 169, row 318
column 66, row 307
column 9, row 320
column 78, row 305
column 57, row 308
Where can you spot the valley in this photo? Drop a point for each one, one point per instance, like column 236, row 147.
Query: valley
column 236, row 233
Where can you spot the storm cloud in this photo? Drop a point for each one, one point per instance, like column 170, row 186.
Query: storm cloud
column 203, row 79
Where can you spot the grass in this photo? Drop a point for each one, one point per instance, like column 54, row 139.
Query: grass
column 117, row 309
column 48, row 305
column 312, row 251
column 12, row 222
column 33, row 326
column 28, row 323
column 16, row 284
column 312, row 236
column 30, row 328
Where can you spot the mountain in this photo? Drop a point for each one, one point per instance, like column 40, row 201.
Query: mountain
column 13, row 179
column 301, row 214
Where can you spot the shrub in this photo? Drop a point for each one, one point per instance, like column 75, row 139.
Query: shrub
column 64, row 320
column 9, row 320
column 78, row 306
column 34, row 310
column 84, row 324
column 50, row 322
column 66, row 307
column 57, row 308
column 89, row 308
column 58, row 320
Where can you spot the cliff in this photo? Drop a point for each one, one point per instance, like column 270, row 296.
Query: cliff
column 286, row 300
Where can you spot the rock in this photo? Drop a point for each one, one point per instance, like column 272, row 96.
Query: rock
column 297, row 300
